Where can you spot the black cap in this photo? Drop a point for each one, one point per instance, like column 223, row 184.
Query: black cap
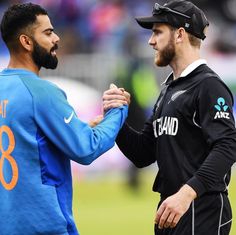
column 177, row 13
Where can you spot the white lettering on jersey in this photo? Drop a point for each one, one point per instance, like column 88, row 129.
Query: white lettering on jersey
column 165, row 126
column 221, row 114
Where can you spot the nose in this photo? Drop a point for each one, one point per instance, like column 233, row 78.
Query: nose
column 56, row 38
column 151, row 41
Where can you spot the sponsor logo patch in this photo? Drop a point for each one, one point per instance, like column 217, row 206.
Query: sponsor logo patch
column 221, row 108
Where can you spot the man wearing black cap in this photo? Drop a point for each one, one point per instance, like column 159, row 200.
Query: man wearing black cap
column 191, row 133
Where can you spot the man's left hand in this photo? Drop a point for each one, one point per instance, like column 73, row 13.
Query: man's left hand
column 174, row 207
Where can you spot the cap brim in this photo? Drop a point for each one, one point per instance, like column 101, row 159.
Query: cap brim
column 147, row 22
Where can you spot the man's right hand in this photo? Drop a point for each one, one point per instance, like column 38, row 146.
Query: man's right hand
column 115, row 97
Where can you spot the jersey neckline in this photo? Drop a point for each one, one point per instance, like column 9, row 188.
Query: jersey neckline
column 17, row 71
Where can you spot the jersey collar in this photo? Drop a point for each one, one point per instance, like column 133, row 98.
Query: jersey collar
column 190, row 68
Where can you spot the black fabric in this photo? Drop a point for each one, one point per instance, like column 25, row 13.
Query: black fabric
column 191, row 141
column 139, row 147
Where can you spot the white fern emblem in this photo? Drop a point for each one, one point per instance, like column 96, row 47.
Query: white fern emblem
column 176, row 95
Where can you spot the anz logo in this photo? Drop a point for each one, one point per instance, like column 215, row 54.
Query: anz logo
column 221, row 108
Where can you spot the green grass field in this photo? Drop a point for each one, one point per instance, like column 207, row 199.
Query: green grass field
column 110, row 207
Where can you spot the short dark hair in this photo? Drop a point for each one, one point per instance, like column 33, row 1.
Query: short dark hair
column 16, row 19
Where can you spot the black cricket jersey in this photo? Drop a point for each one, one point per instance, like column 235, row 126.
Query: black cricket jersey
column 190, row 134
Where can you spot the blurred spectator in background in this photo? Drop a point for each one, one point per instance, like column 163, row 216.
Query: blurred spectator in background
column 108, row 22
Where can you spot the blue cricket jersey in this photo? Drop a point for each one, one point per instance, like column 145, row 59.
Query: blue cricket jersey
column 39, row 135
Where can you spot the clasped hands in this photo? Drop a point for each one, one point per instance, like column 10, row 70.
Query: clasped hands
column 114, row 97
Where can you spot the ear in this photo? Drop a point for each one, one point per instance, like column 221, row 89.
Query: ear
column 26, row 42
column 180, row 35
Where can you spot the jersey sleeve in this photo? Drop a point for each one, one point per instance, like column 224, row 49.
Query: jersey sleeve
column 75, row 138
column 138, row 147
column 215, row 118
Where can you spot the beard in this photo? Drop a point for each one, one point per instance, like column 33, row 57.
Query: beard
column 166, row 55
column 42, row 58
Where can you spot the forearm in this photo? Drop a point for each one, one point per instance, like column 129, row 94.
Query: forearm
column 138, row 147
column 102, row 137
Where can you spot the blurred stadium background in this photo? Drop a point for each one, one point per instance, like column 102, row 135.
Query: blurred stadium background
column 101, row 43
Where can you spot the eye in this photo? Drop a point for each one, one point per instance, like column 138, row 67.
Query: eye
column 48, row 33
column 157, row 32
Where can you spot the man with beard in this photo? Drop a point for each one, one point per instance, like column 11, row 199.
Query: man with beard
column 191, row 133
column 40, row 132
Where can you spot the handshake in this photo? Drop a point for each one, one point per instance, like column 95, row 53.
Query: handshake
column 114, row 97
